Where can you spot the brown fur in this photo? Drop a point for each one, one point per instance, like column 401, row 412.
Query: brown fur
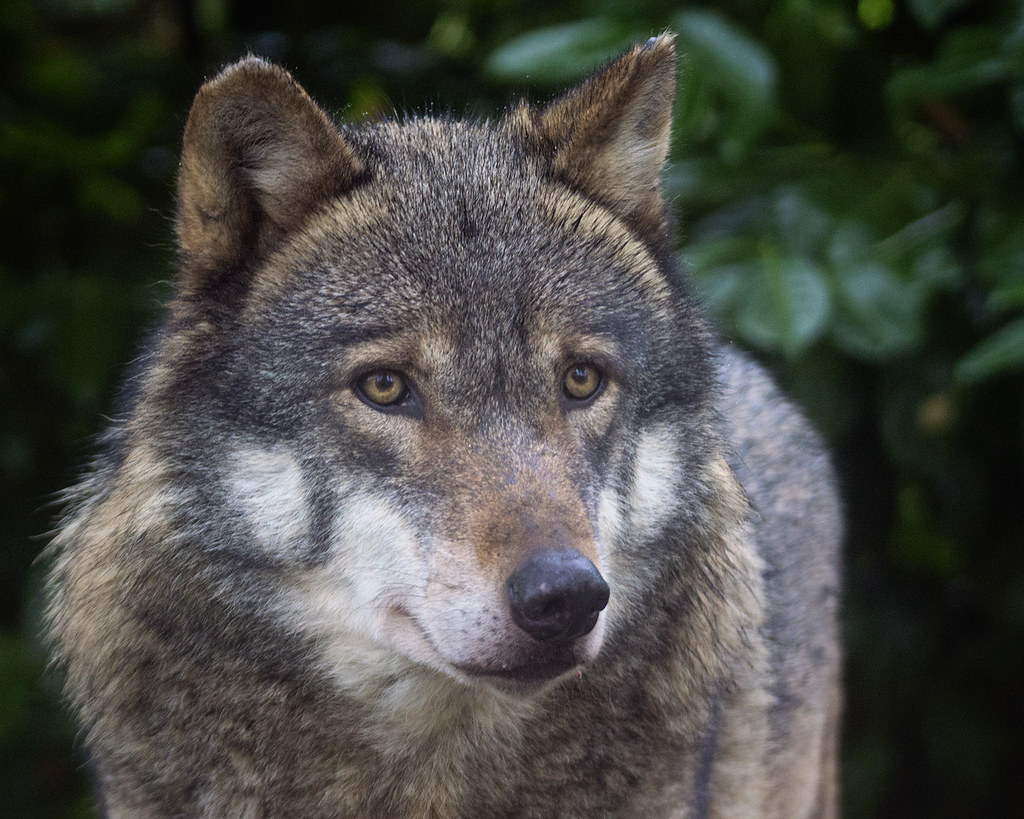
column 274, row 598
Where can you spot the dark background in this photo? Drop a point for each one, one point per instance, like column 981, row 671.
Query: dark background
column 848, row 180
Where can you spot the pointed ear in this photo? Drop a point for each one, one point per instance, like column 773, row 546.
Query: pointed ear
column 610, row 135
column 258, row 156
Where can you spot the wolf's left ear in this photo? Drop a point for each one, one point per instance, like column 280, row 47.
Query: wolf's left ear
column 258, row 156
column 610, row 136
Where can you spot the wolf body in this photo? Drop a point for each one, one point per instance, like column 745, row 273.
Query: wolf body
column 434, row 494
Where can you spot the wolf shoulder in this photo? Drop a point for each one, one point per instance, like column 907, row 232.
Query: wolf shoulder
column 795, row 510
column 779, row 459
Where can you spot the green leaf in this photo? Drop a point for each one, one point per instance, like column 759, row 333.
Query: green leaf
column 945, row 79
column 787, row 307
column 1001, row 266
column 1009, row 296
column 705, row 254
column 970, row 59
column 875, row 14
column 881, row 315
column 851, row 242
column 740, row 63
column 1000, row 352
column 937, row 266
column 930, row 13
column 923, row 232
column 802, row 225
column 720, row 60
column 720, row 288
column 559, row 54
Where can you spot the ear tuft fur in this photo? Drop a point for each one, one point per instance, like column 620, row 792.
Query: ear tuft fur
column 258, row 155
column 610, row 136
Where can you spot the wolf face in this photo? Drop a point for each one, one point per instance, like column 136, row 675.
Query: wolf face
column 423, row 492
column 419, row 390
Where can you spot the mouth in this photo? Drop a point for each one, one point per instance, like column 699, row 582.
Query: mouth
column 515, row 677
column 527, row 678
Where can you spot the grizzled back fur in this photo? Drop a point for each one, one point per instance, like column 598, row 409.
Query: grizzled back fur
column 436, row 495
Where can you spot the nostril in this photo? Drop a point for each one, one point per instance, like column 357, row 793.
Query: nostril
column 556, row 594
column 548, row 605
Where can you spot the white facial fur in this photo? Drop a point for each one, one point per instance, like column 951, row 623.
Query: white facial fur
column 267, row 486
column 653, row 495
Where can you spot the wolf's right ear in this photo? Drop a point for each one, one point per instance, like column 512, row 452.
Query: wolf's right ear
column 258, row 155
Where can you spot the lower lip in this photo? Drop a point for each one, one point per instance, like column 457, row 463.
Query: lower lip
column 522, row 679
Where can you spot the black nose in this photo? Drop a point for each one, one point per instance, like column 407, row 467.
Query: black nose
column 556, row 594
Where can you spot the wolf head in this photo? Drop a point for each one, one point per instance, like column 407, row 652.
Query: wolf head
column 428, row 392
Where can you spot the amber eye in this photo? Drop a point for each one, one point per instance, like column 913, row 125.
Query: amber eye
column 582, row 381
column 384, row 388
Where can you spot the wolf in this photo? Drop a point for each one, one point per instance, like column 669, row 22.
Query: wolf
column 434, row 494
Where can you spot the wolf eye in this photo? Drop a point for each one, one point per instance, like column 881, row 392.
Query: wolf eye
column 383, row 388
column 582, row 381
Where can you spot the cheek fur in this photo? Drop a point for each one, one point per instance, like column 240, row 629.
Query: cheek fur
column 652, row 497
column 373, row 565
column 267, row 486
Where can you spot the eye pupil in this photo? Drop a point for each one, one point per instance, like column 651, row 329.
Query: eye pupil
column 383, row 388
column 582, row 381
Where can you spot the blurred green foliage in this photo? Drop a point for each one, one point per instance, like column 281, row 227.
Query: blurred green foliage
column 849, row 181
